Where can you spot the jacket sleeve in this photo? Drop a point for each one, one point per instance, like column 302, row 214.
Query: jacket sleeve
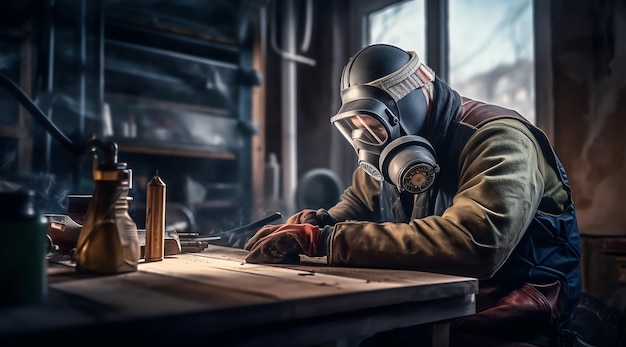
column 500, row 187
column 360, row 201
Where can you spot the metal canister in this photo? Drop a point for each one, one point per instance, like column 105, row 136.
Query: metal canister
column 22, row 250
column 155, row 219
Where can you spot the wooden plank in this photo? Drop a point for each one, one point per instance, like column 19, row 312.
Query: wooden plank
column 220, row 299
column 223, row 267
column 319, row 265
column 197, row 265
column 195, row 282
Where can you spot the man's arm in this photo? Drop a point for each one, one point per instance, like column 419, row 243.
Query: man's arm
column 360, row 201
column 500, row 187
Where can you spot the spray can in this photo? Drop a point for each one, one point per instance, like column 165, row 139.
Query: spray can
column 155, row 219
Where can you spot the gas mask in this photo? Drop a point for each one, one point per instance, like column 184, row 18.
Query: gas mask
column 381, row 117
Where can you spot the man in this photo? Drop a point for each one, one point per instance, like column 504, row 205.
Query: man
column 451, row 185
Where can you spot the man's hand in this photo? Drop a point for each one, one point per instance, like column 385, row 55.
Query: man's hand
column 264, row 231
column 283, row 243
column 306, row 216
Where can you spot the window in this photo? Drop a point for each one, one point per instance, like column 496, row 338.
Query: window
column 493, row 60
column 396, row 25
column 490, row 46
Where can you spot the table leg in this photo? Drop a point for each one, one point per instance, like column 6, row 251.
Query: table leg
column 440, row 333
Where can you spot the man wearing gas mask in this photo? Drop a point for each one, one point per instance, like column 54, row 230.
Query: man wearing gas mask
column 451, row 185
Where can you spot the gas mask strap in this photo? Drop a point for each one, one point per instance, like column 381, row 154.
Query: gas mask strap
column 420, row 205
column 411, row 76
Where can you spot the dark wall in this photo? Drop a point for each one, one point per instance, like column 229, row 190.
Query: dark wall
column 589, row 64
column 589, row 88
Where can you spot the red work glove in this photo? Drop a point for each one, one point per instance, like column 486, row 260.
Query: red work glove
column 300, row 217
column 283, row 243
column 264, row 231
column 308, row 216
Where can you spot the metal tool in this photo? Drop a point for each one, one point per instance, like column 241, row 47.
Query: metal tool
column 172, row 243
column 237, row 237
column 250, row 226
column 63, row 231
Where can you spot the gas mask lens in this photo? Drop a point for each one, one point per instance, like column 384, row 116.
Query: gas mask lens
column 363, row 128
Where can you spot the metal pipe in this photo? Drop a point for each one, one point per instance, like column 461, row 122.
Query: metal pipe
column 100, row 58
column 289, row 109
column 287, row 53
column 83, row 64
column 30, row 106
column 77, row 170
column 50, row 83
column 308, row 26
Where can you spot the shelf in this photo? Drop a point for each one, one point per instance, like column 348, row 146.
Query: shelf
column 218, row 23
column 142, row 71
column 168, row 53
column 173, row 150
column 172, row 128
column 114, row 97
column 177, row 88
column 173, row 40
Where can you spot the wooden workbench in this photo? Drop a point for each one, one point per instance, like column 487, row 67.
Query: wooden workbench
column 214, row 296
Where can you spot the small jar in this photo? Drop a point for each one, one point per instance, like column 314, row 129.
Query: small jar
column 22, row 250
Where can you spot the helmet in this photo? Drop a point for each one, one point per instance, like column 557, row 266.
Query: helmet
column 384, row 94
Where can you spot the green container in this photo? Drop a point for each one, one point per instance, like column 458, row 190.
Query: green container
column 23, row 254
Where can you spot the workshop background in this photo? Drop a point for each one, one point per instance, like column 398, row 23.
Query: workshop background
column 229, row 101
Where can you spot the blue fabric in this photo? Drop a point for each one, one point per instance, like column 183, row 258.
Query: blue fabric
column 550, row 248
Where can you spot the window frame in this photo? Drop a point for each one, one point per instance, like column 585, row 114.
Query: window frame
column 437, row 50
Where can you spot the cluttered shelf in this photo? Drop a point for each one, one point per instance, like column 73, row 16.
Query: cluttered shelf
column 147, row 125
column 170, row 75
column 196, row 151
column 163, row 104
column 214, row 27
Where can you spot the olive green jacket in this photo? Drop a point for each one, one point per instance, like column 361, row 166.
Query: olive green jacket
column 503, row 179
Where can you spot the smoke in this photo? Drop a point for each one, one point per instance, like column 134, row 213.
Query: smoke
column 50, row 193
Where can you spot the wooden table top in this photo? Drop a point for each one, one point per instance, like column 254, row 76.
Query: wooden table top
column 215, row 294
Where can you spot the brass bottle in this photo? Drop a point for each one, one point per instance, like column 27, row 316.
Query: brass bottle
column 108, row 242
column 155, row 219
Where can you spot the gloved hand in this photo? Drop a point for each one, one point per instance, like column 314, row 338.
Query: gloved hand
column 308, row 216
column 264, row 231
column 284, row 242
